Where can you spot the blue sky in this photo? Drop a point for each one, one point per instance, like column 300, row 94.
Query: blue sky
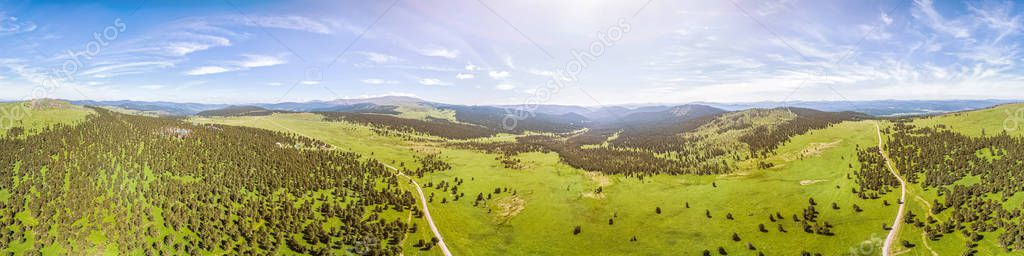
column 585, row 52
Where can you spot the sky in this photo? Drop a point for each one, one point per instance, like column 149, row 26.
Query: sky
column 489, row 52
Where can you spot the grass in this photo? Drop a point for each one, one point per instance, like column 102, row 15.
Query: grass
column 920, row 200
column 423, row 112
column 546, row 199
column 990, row 121
column 45, row 113
column 552, row 198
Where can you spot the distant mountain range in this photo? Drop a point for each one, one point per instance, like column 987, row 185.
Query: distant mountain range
column 882, row 108
column 392, row 105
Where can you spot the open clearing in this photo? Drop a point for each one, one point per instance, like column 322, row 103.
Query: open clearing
column 551, row 203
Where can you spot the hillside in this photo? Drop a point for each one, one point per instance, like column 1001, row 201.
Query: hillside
column 361, row 108
column 386, row 124
column 127, row 184
column 546, row 196
column 239, row 111
column 750, row 174
column 1007, row 118
column 158, row 107
column 31, row 117
column 510, row 120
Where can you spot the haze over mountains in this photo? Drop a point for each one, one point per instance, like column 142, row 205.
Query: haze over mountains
column 389, row 104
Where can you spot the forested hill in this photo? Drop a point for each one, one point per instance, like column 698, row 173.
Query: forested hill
column 391, row 125
column 510, row 119
column 239, row 111
column 173, row 187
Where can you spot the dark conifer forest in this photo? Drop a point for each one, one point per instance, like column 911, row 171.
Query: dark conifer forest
column 163, row 185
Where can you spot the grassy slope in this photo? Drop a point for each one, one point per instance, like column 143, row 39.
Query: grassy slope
column 1009, row 118
column 972, row 123
column 34, row 119
column 555, row 198
column 423, row 112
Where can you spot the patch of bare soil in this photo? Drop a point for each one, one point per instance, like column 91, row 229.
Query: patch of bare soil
column 812, row 150
column 809, row 182
column 507, row 207
column 599, row 178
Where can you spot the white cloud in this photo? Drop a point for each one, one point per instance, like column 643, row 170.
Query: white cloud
column 379, row 58
column 275, row 84
column 309, row 82
column 538, row 72
column 990, row 54
column 12, row 25
column 471, row 67
column 998, row 18
column 375, row 81
column 498, row 75
column 505, row 86
column 249, row 61
column 181, row 43
column 874, row 33
column 255, row 61
column 927, row 14
column 173, row 41
column 463, row 76
column 440, row 52
column 434, row 81
column 284, row 22
column 509, row 63
column 110, row 70
column 207, row 70
column 886, row 19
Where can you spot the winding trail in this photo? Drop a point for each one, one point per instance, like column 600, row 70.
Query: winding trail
column 887, row 247
column 426, row 212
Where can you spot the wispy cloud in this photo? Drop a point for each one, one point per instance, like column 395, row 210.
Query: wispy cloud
column 997, row 18
column 377, row 81
column 509, row 62
column 13, row 25
column 379, row 58
column 256, row 61
column 292, row 22
column 505, row 86
column 927, row 14
column 498, row 75
column 207, row 70
column 464, row 76
column 173, row 42
column 249, row 61
column 104, row 70
column 434, row 82
column 439, row 52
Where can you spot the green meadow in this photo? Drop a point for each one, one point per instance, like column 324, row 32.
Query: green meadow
column 985, row 122
column 535, row 209
column 546, row 199
column 989, row 121
column 35, row 117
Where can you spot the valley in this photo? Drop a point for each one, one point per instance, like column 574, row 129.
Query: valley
column 490, row 192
